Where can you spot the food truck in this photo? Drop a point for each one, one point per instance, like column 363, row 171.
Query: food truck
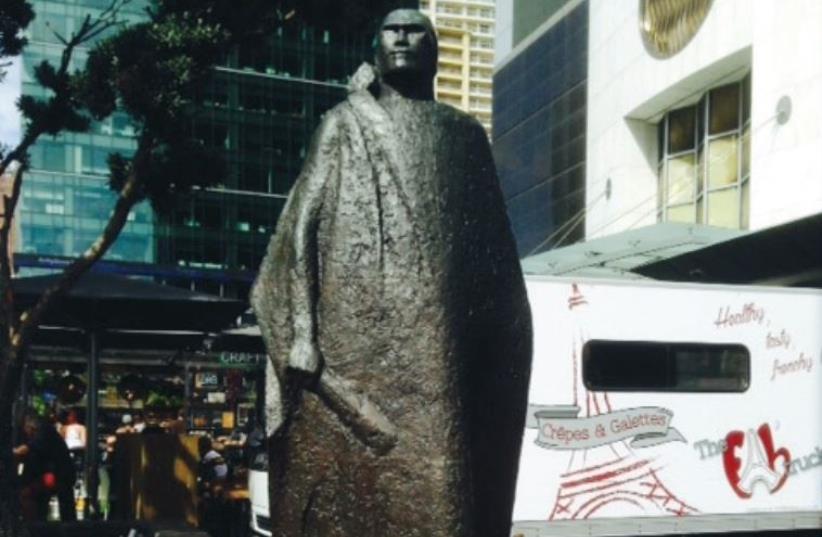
column 660, row 408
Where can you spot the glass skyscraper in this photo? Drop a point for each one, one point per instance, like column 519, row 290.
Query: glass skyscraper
column 65, row 200
column 259, row 113
column 539, row 131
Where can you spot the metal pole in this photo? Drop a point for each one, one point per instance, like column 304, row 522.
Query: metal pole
column 259, row 391
column 187, row 397
column 92, row 508
column 21, row 405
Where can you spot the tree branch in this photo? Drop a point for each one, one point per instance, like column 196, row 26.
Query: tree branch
column 19, row 152
column 7, row 304
column 9, row 206
column 31, row 318
column 56, row 34
column 88, row 30
column 113, row 9
column 107, row 19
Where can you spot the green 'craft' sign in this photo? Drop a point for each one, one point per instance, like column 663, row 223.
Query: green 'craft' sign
column 241, row 360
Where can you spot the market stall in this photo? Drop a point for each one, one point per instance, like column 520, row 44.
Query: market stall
column 126, row 315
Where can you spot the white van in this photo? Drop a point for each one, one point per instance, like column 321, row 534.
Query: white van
column 258, row 494
column 659, row 408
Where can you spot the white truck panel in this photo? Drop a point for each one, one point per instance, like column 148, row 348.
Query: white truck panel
column 582, row 476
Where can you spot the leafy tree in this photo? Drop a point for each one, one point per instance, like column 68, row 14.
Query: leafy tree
column 60, row 111
column 153, row 71
column 15, row 16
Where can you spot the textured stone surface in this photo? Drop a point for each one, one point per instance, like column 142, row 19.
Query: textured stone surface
column 393, row 271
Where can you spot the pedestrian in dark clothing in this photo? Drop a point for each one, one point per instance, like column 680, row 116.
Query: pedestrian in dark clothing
column 211, row 478
column 47, row 470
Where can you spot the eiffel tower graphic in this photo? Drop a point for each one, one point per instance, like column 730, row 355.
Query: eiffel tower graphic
column 608, row 479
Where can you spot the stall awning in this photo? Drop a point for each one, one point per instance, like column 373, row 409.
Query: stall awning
column 109, row 301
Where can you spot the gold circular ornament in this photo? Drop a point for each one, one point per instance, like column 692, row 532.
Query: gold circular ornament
column 668, row 25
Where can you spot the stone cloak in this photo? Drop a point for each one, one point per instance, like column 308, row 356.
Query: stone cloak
column 394, row 261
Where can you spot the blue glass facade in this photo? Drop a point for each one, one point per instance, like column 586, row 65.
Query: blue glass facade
column 539, row 134
column 259, row 113
column 65, row 200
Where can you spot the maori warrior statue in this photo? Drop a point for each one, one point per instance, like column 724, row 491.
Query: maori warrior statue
column 394, row 311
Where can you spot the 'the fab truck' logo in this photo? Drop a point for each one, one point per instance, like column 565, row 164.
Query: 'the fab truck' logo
column 763, row 463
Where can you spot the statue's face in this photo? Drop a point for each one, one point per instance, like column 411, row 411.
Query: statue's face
column 407, row 45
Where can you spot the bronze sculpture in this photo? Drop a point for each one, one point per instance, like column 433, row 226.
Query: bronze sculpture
column 393, row 307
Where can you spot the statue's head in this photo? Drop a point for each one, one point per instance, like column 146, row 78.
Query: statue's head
column 407, row 47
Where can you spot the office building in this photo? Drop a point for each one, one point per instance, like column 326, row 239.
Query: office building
column 65, row 199
column 517, row 19
column 466, row 54
column 539, row 129
column 259, row 113
column 704, row 112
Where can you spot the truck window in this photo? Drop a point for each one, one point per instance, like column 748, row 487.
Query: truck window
column 665, row 367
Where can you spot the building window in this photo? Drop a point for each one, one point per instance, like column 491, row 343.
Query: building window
column 704, row 159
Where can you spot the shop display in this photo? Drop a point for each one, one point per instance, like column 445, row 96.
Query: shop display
column 131, row 388
column 70, row 389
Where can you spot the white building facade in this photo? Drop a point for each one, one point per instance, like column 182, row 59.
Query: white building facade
column 704, row 111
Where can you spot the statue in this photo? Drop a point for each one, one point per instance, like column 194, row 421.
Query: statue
column 393, row 307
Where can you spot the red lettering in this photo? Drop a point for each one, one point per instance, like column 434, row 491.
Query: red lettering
column 732, row 463
column 764, row 433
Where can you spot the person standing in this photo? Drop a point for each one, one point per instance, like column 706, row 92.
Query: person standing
column 74, row 432
column 75, row 436
column 139, row 424
column 47, row 470
column 177, row 425
column 126, row 425
column 211, row 480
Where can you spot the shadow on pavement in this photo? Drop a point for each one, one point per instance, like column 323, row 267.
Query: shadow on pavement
column 112, row 529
